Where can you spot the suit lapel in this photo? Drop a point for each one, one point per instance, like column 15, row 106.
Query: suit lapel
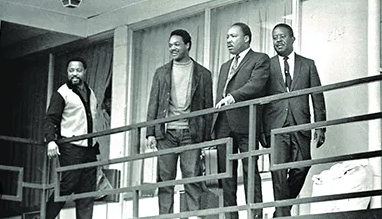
column 242, row 63
column 168, row 70
column 297, row 71
column 279, row 74
column 222, row 79
column 195, row 78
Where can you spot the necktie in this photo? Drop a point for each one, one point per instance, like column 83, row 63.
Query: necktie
column 234, row 66
column 288, row 78
column 231, row 73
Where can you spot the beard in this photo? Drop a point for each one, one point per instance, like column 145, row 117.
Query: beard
column 75, row 81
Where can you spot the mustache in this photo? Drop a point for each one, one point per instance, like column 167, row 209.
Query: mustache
column 75, row 77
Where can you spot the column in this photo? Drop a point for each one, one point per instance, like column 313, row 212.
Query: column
column 120, row 109
column 374, row 91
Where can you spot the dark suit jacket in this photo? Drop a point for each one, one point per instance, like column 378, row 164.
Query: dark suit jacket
column 247, row 83
column 305, row 76
column 201, row 98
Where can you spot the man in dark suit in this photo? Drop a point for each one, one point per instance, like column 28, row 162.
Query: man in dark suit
column 241, row 78
column 290, row 72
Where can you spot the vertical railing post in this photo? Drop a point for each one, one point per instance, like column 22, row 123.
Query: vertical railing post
column 374, row 91
column 136, row 150
column 56, row 180
column 46, row 164
column 251, row 159
column 45, row 180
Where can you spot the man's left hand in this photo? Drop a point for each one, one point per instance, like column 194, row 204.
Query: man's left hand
column 225, row 101
column 319, row 136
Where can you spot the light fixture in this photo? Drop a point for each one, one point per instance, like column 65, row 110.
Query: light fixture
column 71, row 3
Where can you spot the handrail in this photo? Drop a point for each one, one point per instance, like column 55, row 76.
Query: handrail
column 220, row 142
column 261, row 101
column 314, row 199
column 365, row 117
column 21, row 140
column 227, row 141
column 250, row 103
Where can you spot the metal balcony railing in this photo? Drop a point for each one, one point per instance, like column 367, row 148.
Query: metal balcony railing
column 227, row 142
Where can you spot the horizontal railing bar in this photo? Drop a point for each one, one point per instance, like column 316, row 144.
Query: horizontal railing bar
column 376, row 213
column 213, row 211
column 222, row 141
column 11, row 198
column 306, row 200
column 11, row 168
column 319, row 89
column 260, row 101
column 37, row 185
column 307, row 163
column 278, row 203
column 204, row 212
column 310, row 126
column 248, row 154
column 21, row 140
column 142, row 187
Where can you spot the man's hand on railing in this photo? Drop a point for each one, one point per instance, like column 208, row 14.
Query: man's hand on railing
column 52, row 149
column 319, row 136
column 151, row 142
column 225, row 101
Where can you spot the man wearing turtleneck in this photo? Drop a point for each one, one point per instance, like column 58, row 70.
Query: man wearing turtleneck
column 180, row 93
column 179, row 87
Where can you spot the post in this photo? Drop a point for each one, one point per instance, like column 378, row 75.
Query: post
column 374, row 91
column 46, row 164
column 135, row 142
column 120, row 109
column 252, row 159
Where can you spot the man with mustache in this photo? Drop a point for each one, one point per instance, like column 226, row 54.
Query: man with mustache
column 72, row 112
column 290, row 72
column 241, row 78
column 179, row 87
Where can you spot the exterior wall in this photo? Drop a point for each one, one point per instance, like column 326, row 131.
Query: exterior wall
column 338, row 49
column 339, row 52
column 335, row 35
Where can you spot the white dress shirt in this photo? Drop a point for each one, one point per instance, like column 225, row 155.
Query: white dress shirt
column 241, row 57
column 291, row 58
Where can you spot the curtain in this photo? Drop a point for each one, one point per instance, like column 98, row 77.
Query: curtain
column 23, row 116
column 150, row 52
column 99, row 70
column 260, row 15
column 24, row 92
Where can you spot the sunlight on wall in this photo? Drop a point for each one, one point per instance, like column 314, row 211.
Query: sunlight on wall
column 334, row 34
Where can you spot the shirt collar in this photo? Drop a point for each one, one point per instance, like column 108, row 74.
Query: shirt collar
column 290, row 57
column 243, row 53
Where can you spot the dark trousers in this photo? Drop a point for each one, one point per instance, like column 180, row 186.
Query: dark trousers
column 75, row 181
column 167, row 167
column 288, row 183
column 229, row 185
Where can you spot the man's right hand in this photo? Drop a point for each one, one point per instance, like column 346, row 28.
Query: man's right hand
column 151, row 142
column 52, row 149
